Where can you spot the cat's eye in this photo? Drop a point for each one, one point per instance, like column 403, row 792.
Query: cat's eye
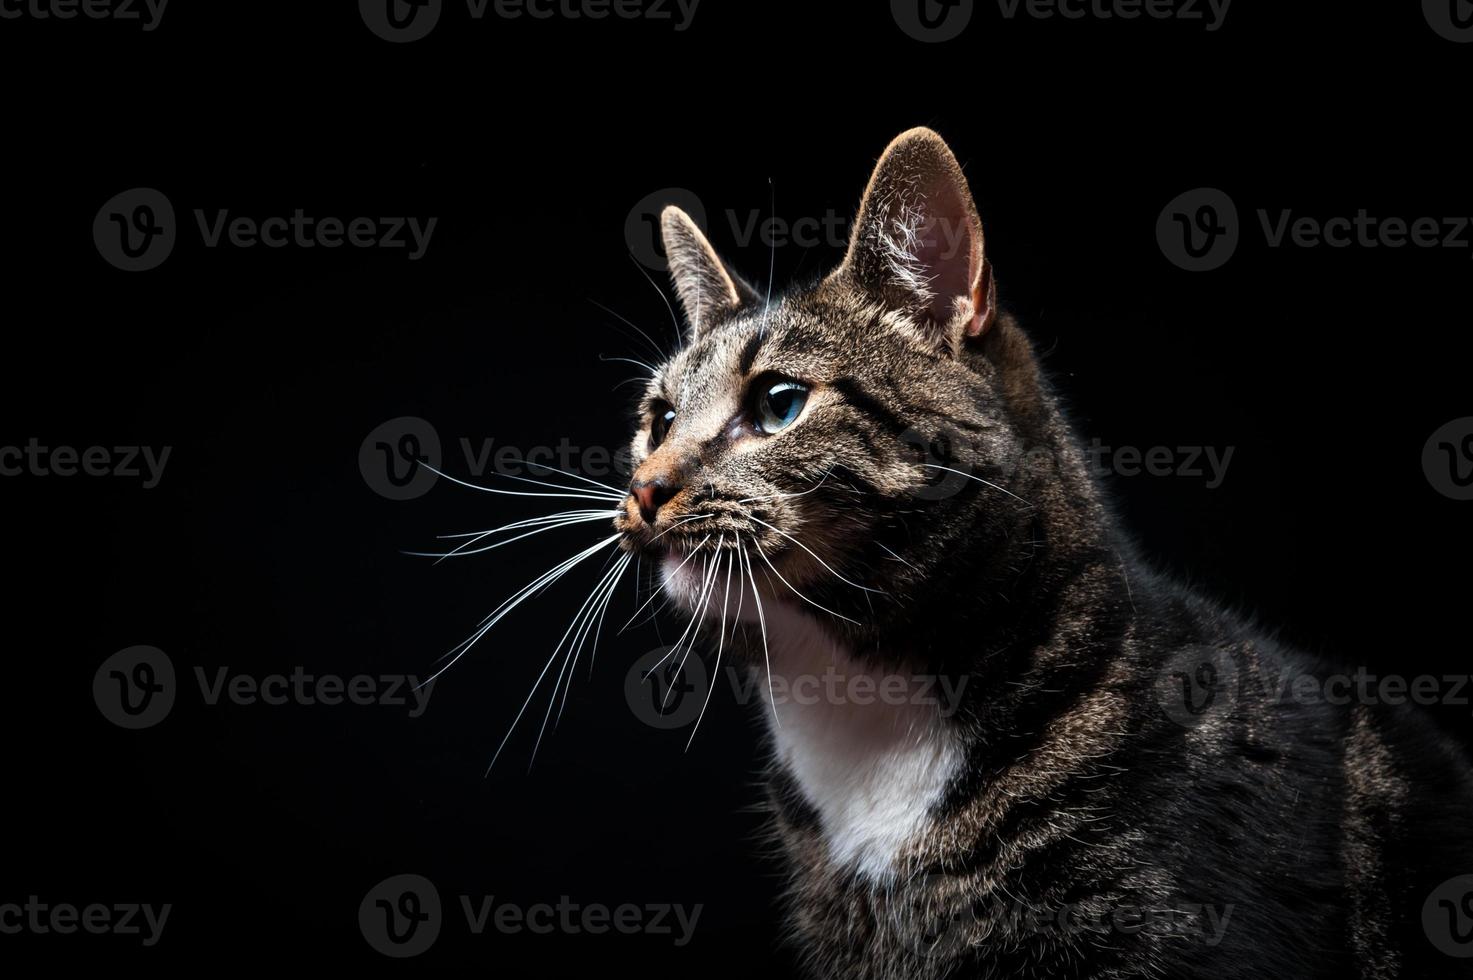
column 660, row 424
column 779, row 405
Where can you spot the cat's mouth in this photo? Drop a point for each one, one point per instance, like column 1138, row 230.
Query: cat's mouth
column 697, row 553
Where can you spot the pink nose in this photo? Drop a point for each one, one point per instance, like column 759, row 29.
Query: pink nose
column 651, row 495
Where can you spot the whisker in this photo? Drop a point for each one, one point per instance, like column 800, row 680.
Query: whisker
column 683, row 520
column 815, row 557
column 546, row 578
column 535, row 685
column 675, row 648
column 653, row 595
column 700, row 617
column 708, row 580
column 600, row 606
column 577, row 476
column 937, row 466
column 762, row 621
column 763, row 555
column 521, row 493
column 629, row 360
column 720, row 646
column 675, row 320
column 895, row 556
column 539, row 526
column 648, row 339
column 784, row 496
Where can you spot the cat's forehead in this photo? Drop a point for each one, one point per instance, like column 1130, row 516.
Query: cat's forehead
column 791, row 338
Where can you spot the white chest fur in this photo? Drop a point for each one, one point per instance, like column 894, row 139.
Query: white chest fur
column 871, row 753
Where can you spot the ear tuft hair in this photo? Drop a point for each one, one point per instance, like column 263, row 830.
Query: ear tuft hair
column 918, row 243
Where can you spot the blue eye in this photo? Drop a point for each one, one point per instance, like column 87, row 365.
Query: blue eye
column 780, row 405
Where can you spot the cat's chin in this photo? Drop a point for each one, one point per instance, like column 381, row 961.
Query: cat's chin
column 688, row 578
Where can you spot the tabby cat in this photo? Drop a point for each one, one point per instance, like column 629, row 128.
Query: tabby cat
column 1029, row 755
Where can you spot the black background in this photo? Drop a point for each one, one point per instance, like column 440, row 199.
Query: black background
column 263, row 548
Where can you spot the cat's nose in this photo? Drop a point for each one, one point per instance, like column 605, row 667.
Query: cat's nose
column 651, row 495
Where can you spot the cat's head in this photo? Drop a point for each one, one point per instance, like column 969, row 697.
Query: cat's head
column 848, row 436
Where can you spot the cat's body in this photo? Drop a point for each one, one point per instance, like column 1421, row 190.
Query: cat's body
column 1082, row 769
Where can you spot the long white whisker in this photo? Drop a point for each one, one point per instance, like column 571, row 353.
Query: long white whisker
column 936, row 466
column 569, row 473
column 763, row 555
column 603, row 593
column 786, row 496
column 720, row 645
column 896, row 557
column 698, row 619
column 675, row 320
column 535, row 685
column 683, row 520
column 761, row 621
column 521, row 493
column 656, row 593
column 466, row 549
column 636, row 327
column 529, row 522
column 815, row 556
column 631, row 360
column 551, row 575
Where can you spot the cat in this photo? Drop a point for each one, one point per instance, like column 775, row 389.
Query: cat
column 1126, row 780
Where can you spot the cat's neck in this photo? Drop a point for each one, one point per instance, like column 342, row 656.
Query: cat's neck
column 870, row 749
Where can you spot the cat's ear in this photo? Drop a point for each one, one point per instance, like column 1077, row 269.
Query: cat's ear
column 708, row 290
column 917, row 242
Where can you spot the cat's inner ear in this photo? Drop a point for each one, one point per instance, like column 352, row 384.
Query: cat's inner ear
column 917, row 242
column 708, row 290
